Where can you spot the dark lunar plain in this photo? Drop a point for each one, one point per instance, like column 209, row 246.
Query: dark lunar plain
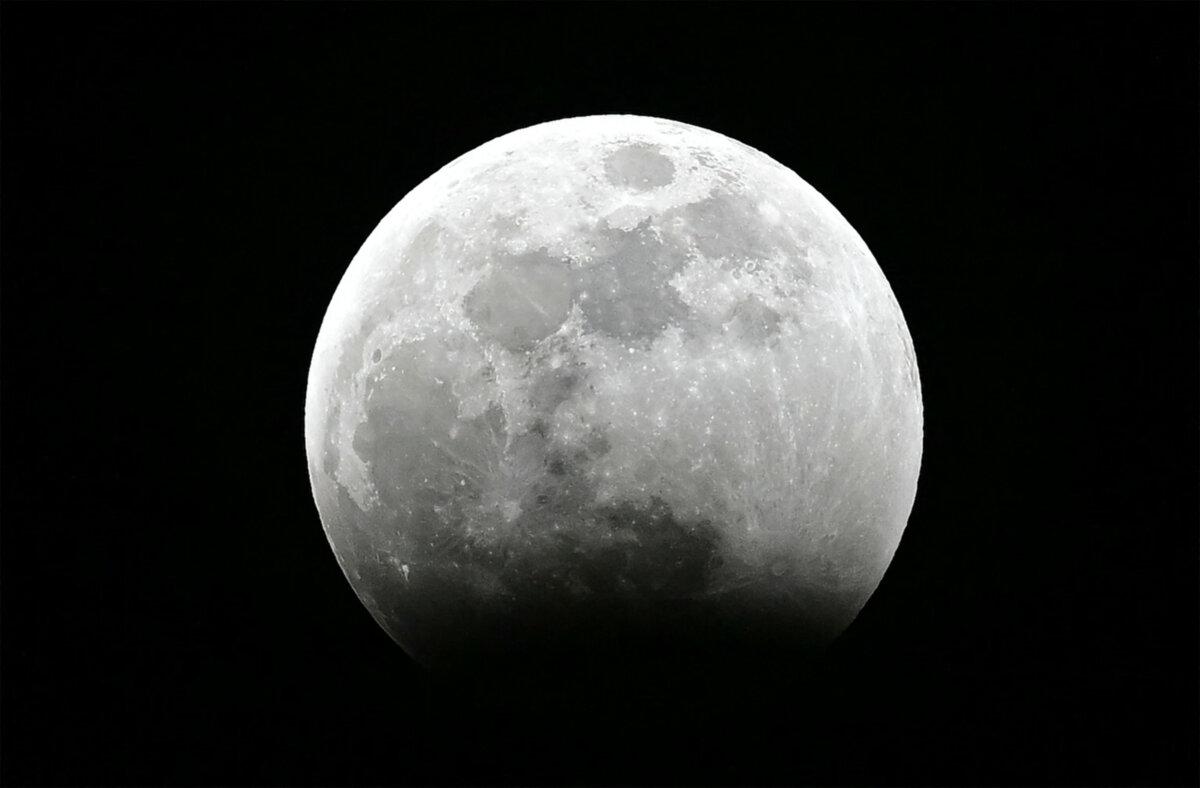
column 184, row 185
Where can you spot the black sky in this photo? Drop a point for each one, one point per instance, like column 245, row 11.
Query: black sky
column 184, row 184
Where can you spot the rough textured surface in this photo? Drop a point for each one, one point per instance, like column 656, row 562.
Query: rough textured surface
column 612, row 379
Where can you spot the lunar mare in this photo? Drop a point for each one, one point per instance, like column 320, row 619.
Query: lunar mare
column 612, row 375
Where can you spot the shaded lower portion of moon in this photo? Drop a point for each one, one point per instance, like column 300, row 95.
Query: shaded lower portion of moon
column 659, row 596
column 485, row 535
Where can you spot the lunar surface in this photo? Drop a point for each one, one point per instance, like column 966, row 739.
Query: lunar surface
column 612, row 382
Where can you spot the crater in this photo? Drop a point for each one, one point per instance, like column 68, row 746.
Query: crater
column 753, row 321
column 522, row 301
column 639, row 167
column 424, row 246
column 553, row 387
column 638, row 550
column 729, row 225
column 665, row 556
column 412, row 440
column 626, row 291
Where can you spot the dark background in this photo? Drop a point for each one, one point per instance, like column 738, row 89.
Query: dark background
column 183, row 186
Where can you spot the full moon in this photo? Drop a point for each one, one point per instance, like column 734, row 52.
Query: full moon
column 612, row 384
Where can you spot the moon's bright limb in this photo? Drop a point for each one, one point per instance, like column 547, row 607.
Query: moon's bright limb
column 612, row 366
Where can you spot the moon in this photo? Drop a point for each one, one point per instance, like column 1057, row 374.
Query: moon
column 612, row 382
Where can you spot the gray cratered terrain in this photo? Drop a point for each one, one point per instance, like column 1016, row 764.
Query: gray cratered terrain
column 612, row 382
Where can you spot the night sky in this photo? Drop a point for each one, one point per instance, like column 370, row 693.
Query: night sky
column 183, row 186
